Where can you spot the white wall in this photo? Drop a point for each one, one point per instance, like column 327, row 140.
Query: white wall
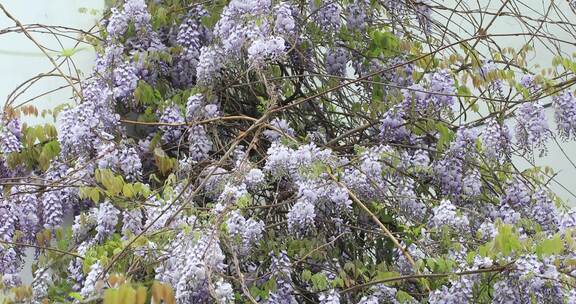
column 20, row 59
column 532, row 10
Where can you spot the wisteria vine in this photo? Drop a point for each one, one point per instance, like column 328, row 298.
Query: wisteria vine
column 263, row 151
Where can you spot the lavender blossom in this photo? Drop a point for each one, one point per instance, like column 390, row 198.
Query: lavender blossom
column 53, row 209
column 392, row 126
column 565, row 114
column 200, row 143
column 188, row 266
column 132, row 222
column 10, row 136
column 327, row 15
column 496, row 138
column 532, row 128
column 117, row 23
column 472, row 183
column 224, row 292
column 90, row 288
column 336, row 60
column 137, row 11
column 280, row 124
column 280, row 269
column 529, row 82
column 544, row 212
column 424, row 14
column 254, row 178
column 356, row 19
column 445, row 215
column 269, row 48
column 10, row 256
column 40, row 284
column 125, row 80
column 380, row 294
column 443, row 83
column 193, row 107
column 208, row 66
column 123, row 159
column 329, row 297
column 517, row 195
column 171, row 134
column 107, row 218
column 81, row 128
column 460, row 292
column 437, row 98
column 75, row 273
column 249, row 231
column 284, row 23
column 409, row 204
column 301, row 217
column 28, row 215
column 109, row 59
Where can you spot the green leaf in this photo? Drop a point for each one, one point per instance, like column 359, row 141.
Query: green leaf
column 349, row 267
column 306, row 275
column 356, row 107
column 569, row 240
column 338, row 282
column 160, row 18
column 464, row 90
column 71, row 52
column 551, row 246
column 95, row 195
column 389, row 44
column 446, row 136
column 404, row 297
column 76, row 296
column 382, row 275
column 507, row 240
column 141, row 189
column 244, row 201
column 144, row 93
column 128, row 190
column 319, row 281
column 164, row 163
column 215, row 14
